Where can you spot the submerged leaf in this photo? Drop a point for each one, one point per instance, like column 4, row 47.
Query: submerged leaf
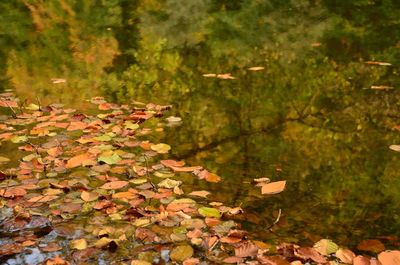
column 180, row 253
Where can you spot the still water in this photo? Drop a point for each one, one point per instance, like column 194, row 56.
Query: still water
column 303, row 91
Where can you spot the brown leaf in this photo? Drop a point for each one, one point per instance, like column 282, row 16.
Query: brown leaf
column 307, row 253
column 114, row 185
column 273, row 260
column 360, row 260
column 43, row 198
column 345, row 255
column 208, row 176
column 12, row 192
column 80, row 160
column 372, row 245
column 172, row 163
column 89, row 196
column 76, row 125
column 236, row 260
column 273, row 187
column 389, row 257
column 247, row 249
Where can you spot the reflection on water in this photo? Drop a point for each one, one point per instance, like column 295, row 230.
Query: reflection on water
column 320, row 109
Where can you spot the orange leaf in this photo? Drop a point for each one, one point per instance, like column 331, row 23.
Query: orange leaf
column 273, row 187
column 360, row 260
column 389, row 257
column 124, row 195
column 372, row 245
column 80, row 160
column 208, row 176
column 89, row 196
column 345, row 255
column 43, row 198
column 172, row 163
column 185, row 169
column 76, row 125
column 113, row 185
column 12, row 192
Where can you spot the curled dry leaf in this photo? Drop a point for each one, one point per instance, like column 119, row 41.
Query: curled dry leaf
column 273, row 187
column 114, row 185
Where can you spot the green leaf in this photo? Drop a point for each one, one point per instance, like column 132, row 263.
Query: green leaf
column 103, row 138
column 32, row 107
column 19, row 139
column 131, row 126
column 169, row 183
column 209, row 212
column 110, row 159
column 180, row 253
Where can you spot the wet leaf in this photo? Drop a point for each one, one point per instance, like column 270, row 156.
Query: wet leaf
column 395, row 147
column 326, row 247
column 19, row 139
column 256, row 68
column 360, row 260
column 307, row 253
column 160, row 148
column 372, row 245
column 200, row 193
column 209, row 212
column 389, row 257
column 246, row 249
column 140, row 262
column 169, row 183
column 180, row 253
column 43, row 198
column 345, row 255
column 12, row 192
column 273, row 187
column 110, row 159
column 114, row 185
column 89, row 196
column 78, row 244
column 4, row 159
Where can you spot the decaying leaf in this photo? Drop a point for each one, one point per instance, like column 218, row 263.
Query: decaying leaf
column 372, row 245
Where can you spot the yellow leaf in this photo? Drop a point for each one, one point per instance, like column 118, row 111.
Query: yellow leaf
column 79, row 244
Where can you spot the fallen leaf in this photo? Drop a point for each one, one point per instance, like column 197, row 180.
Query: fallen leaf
column 345, row 255
column 395, row 147
column 273, row 187
column 200, row 193
column 42, row 198
column 78, row 244
column 169, row 183
column 172, row 163
column 360, row 260
column 89, row 196
column 247, row 249
column 160, row 148
column 372, row 245
column 256, row 68
column 114, row 185
column 180, row 253
column 391, row 257
column 326, row 247
column 209, row 212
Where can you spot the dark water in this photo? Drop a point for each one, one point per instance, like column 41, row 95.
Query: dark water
column 320, row 113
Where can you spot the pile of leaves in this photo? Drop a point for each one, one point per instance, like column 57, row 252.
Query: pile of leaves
column 90, row 189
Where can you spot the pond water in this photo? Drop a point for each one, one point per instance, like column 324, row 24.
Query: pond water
column 303, row 91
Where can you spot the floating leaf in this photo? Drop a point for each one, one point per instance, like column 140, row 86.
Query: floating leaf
column 32, row 107
column 180, row 253
column 273, row 187
column 19, row 139
column 200, row 193
column 114, row 185
column 389, row 257
column 160, row 148
column 43, row 198
column 247, row 249
column 209, row 212
column 4, row 159
column 395, row 147
column 89, row 196
column 256, row 68
column 78, row 244
column 110, row 159
column 169, row 183
column 372, row 245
